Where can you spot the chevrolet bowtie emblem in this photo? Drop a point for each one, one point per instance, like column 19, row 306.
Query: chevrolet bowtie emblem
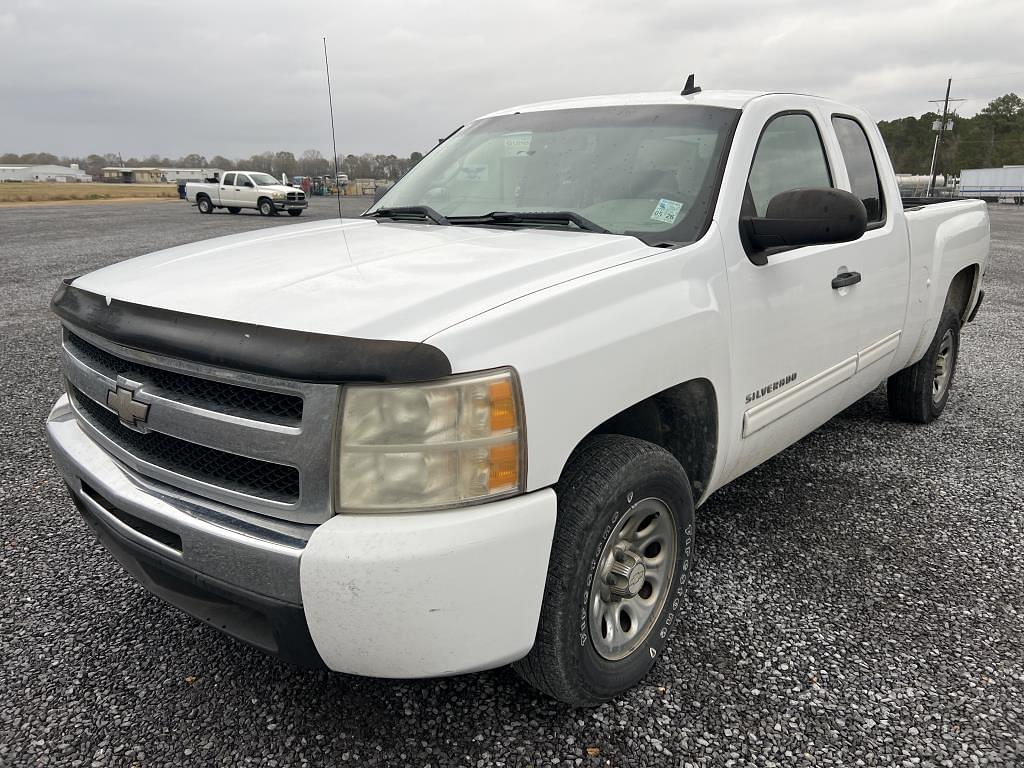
column 132, row 412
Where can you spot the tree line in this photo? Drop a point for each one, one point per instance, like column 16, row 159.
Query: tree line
column 992, row 138
column 309, row 163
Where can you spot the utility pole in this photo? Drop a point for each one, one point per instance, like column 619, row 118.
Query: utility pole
column 938, row 138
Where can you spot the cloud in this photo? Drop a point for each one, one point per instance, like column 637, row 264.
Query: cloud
column 237, row 78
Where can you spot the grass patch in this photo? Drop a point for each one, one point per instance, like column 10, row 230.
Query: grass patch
column 43, row 191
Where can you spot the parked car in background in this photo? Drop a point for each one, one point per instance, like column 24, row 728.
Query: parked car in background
column 473, row 426
column 246, row 189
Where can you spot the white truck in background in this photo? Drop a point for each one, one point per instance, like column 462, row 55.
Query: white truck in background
column 236, row 190
column 472, row 427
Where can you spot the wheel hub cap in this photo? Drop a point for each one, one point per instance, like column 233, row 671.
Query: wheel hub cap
column 633, row 578
column 626, row 575
column 943, row 367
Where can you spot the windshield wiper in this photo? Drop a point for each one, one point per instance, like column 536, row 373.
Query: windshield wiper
column 532, row 217
column 409, row 213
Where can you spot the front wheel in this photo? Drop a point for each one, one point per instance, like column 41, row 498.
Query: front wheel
column 919, row 393
column 295, row 212
column 204, row 205
column 267, row 207
column 620, row 560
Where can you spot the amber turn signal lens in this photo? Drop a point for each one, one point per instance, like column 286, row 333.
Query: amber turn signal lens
column 503, row 408
column 504, row 460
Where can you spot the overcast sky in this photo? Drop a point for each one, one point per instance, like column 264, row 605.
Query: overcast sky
column 236, row 77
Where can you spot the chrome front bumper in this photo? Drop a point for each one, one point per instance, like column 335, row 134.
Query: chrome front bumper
column 235, row 570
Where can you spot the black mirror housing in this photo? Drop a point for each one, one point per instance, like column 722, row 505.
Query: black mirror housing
column 800, row 217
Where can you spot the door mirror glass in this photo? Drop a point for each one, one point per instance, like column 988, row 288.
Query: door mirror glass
column 799, row 217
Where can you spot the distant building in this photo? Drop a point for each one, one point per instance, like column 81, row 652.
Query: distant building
column 121, row 175
column 43, row 173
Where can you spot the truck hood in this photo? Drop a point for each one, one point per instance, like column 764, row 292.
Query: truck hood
column 277, row 188
column 363, row 278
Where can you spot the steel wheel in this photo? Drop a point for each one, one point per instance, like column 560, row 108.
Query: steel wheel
column 633, row 578
column 943, row 367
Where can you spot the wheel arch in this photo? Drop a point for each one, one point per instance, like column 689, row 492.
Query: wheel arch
column 683, row 419
column 962, row 290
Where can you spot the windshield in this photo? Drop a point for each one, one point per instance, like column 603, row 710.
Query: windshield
column 651, row 171
column 263, row 179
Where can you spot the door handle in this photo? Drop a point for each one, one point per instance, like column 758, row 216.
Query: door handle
column 844, row 279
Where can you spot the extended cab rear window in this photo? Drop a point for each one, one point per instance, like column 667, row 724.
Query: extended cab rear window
column 860, row 166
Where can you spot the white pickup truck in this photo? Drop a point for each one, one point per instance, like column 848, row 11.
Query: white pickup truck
column 471, row 428
column 236, row 190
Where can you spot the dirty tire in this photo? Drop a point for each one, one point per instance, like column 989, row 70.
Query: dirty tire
column 204, row 205
column 234, row 209
column 604, row 480
column 266, row 207
column 911, row 392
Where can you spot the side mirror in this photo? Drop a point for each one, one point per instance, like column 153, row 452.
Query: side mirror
column 804, row 217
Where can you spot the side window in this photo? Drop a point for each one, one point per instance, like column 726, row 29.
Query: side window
column 243, row 180
column 229, row 180
column 789, row 156
column 860, row 164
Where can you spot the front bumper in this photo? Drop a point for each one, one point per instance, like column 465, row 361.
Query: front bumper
column 290, row 205
column 410, row 595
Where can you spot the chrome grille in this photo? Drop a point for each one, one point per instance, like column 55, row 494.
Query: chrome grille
column 252, row 476
column 204, row 393
column 258, row 443
column 296, row 196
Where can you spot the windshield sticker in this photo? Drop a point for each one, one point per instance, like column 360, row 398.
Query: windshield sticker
column 473, row 173
column 518, row 143
column 666, row 211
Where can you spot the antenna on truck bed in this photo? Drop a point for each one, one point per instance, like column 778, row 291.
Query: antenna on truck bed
column 689, row 89
column 334, row 137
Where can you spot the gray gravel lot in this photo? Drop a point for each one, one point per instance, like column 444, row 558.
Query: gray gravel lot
column 858, row 600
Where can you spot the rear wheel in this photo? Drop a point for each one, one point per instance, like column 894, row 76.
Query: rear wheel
column 234, row 209
column 266, row 207
column 295, row 212
column 619, row 563
column 919, row 393
column 204, row 204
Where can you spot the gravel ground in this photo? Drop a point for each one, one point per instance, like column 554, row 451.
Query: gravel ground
column 858, row 600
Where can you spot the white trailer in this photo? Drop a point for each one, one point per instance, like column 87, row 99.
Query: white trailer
column 1006, row 183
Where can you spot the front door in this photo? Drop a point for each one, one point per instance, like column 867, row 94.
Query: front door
column 795, row 335
column 245, row 191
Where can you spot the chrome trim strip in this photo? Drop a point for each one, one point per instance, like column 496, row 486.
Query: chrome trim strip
column 774, row 408
column 877, row 351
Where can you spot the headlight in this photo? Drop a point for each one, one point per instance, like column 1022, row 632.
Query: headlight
column 278, row 195
column 424, row 446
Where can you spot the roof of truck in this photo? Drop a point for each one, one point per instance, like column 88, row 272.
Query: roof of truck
column 731, row 99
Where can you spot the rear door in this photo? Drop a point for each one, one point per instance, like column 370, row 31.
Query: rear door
column 881, row 256
column 227, row 189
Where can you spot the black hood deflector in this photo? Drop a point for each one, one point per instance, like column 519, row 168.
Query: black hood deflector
column 289, row 354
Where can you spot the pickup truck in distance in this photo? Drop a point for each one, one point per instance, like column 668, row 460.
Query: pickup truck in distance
column 236, row 190
column 472, row 427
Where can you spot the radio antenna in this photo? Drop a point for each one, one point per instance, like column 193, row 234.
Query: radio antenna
column 334, row 137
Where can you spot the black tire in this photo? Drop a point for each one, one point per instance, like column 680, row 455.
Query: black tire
column 294, row 211
column 234, row 209
column 266, row 207
column 204, row 204
column 605, row 480
column 912, row 393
